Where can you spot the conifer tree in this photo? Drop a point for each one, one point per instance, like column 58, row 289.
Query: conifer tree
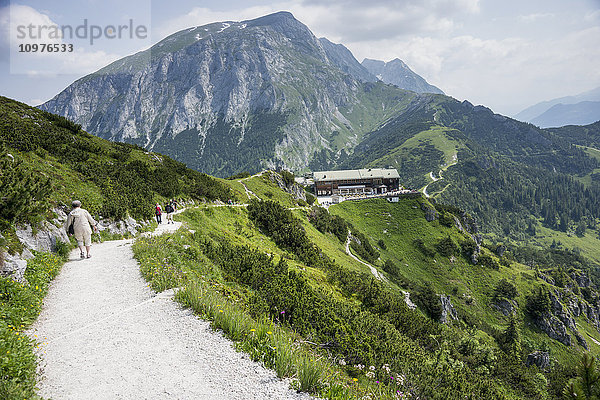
column 587, row 384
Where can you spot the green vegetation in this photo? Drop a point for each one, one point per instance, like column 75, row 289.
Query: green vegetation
column 112, row 179
column 288, row 270
column 225, row 153
column 20, row 305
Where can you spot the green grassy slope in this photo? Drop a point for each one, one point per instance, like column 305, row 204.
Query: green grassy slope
column 474, row 347
column 112, row 179
column 469, row 286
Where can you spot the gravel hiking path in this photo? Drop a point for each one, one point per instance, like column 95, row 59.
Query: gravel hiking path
column 372, row 268
column 104, row 334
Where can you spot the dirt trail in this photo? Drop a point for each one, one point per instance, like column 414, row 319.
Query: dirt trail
column 105, row 335
column 372, row 268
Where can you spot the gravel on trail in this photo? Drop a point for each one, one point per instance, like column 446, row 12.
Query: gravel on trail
column 104, row 334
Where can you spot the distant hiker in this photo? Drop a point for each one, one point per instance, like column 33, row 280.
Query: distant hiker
column 78, row 225
column 169, row 209
column 158, row 213
column 174, row 204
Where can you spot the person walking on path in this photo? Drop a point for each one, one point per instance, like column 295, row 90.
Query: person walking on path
column 169, row 209
column 158, row 213
column 81, row 221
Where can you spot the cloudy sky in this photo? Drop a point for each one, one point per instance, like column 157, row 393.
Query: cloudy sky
column 506, row 55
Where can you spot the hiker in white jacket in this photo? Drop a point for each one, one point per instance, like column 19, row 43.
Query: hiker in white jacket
column 82, row 220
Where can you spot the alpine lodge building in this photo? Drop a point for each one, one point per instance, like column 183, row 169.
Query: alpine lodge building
column 356, row 182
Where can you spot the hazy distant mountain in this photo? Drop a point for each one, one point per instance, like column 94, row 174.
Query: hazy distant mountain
column 398, row 73
column 581, row 114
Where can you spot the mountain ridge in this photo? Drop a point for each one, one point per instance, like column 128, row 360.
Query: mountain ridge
column 537, row 110
column 396, row 72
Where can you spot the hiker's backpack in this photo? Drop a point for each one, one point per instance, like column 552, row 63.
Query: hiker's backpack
column 71, row 230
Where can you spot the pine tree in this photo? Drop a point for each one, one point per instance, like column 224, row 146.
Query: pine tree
column 586, row 385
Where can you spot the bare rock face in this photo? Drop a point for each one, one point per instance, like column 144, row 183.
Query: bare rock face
column 448, row 310
column 43, row 238
column 554, row 328
column 129, row 226
column 266, row 88
column 539, row 358
column 13, row 267
column 294, row 189
column 408, row 301
column 505, row 306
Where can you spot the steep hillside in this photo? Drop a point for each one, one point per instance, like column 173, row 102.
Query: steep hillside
column 508, row 174
column 47, row 161
column 292, row 267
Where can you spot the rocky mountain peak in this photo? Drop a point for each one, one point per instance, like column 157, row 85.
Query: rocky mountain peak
column 396, row 72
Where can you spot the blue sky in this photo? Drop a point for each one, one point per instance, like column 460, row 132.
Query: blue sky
column 506, row 55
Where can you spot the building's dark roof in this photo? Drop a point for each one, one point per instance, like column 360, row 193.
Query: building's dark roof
column 324, row 176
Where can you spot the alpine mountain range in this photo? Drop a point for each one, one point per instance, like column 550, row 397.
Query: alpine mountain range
column 234, row 96
column 230, row 97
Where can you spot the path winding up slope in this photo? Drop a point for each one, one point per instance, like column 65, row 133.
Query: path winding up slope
column 105, row 335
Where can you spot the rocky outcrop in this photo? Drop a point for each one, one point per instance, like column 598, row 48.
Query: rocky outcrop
column 564, row 308
column 448, row 310
column 539, row 358
column 554, row 328
column 13, row 266
column 431, row 213
column 130, row 226
column 294, row 189
column 43, row 238
column 408, row 301
column 505, row 306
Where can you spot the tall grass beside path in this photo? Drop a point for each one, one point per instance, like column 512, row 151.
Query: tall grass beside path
column 20, row 304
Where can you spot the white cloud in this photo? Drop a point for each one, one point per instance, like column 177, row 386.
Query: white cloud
column 26, row 25
column 535, row 17
column 199, row 16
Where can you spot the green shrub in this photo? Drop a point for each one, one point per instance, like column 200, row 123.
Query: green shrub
column 505, row 289
column 429, row 301
column 288, row 177
column 538, row 302
column 420, row 245
column 446, row 247
column 239, row 175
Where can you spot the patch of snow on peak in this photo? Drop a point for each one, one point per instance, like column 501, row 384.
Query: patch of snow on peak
column 225, row 26
column 243, row 26
column 380, row 77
